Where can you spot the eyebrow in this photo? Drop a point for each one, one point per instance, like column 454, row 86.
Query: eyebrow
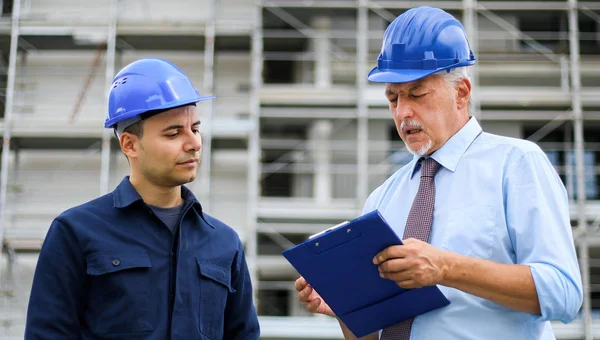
column 389, row 92
column 416, row 87
column 178, row 126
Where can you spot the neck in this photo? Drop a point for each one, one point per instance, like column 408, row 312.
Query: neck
column 159, row 196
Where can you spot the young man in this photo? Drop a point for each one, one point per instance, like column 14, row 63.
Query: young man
column 144, row 261
column 485, row 217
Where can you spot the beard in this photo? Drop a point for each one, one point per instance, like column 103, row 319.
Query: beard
column 423, row 149
column 166, row 177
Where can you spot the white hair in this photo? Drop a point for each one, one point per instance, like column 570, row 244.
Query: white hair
column 454, row 76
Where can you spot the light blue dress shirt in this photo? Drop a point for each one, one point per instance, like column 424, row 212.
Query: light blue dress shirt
column 500, row 199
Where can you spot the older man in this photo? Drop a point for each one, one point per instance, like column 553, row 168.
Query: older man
column 484, row 217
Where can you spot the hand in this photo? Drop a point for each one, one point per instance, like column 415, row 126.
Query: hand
column 314, row 302
column 413, row 265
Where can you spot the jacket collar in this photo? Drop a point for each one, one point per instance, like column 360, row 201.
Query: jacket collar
column 125, row 195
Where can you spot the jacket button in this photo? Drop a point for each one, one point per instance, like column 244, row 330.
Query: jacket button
column 116, row 262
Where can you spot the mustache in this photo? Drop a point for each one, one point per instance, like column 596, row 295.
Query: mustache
column 410, row 123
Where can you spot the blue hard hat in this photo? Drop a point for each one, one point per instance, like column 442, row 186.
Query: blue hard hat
column 422, row 41
column 145, row 85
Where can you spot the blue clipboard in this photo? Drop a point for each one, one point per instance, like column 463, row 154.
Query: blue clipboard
column 337, row 263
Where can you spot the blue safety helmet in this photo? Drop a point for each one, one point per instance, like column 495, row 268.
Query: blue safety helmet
column 148, row 85
column 420, row 42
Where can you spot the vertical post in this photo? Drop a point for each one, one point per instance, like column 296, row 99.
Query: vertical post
column 321, row 47
column 579, row 164
column 362, row 146
column 111, row 42
column 564, row 73
column 254, row 147
column 207, row 124
column 320, row 149
column 8, row 113
column 470, row 23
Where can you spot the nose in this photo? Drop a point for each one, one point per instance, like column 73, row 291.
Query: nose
column 193, row 142
column 403, row 110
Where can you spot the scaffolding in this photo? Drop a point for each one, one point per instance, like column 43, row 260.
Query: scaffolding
column 363, row 109
column 329, row 94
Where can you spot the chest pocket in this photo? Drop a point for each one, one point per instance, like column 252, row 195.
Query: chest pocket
column 118, row 292
column 471, row 231
column 215, row 286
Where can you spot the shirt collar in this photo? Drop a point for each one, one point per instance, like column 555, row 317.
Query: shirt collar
column 450, row 153
column 125, row 195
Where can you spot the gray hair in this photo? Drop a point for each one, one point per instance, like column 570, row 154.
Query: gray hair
column 454, row 77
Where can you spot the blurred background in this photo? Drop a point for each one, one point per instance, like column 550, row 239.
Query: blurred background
column 297, row 138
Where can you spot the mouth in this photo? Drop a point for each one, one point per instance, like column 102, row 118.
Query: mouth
column 412, row 130
column 189, row 162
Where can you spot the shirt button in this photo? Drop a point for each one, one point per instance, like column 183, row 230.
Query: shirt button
column 116, row 262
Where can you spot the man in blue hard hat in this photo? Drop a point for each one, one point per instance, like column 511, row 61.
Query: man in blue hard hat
column 484, row 217
column 145, row 261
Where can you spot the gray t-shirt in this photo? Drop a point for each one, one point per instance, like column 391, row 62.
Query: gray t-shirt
column 169, row 216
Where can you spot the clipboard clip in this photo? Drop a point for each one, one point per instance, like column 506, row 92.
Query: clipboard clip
column 328, row 230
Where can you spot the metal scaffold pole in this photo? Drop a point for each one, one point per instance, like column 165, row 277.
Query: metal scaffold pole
column 207, row 124
column 579, row 164
column 362, row 51
column 8, row 114
column 111, row 42
column 471, row 26
column 254, row 148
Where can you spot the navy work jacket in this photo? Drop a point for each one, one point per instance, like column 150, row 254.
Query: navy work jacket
column 110, row 269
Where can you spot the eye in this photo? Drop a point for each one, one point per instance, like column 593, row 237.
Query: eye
column 393, row 100
column 196, row 130
column 172, row 135
column 417, row 96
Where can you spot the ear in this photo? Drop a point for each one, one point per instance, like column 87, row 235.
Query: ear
column 130, row 145
column 463, row 93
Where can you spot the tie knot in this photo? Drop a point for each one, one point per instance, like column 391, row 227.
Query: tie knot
column 429, row 167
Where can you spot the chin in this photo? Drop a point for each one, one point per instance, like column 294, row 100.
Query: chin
column 181, row 180
column 420, row 149
column 186, row 180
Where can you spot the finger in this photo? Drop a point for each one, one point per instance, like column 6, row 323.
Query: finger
column 408, row 284
column 300, row 283
column 313, row 306
column 397, row 276
column 410, row 241
column 394, row 265
column 389, row 253
column 313, row 294
column 305, row 293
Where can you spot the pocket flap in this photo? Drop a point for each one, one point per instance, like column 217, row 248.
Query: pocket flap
column 216, row 272
column 110, row 262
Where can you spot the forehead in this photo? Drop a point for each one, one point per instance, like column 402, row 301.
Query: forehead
column 427, row 82
column 178, row 114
